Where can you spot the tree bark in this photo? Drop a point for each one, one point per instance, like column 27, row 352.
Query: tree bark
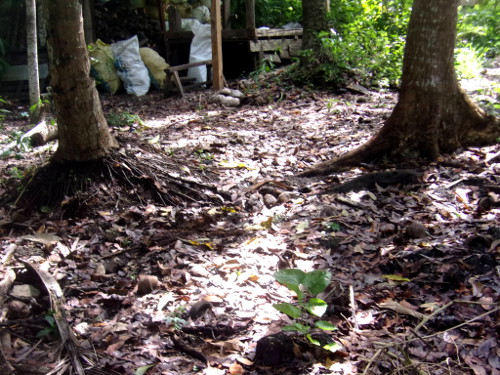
column 83, row 132
column 313, row 21
column 433, row 114
column 32, row 47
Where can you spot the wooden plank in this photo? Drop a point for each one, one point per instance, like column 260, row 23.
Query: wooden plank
column 262, row 33
column 218, row 77
column 274, row 45
column 189, row 65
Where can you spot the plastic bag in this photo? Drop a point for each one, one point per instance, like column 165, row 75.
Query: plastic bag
column 201, row 49
column 102, row 68
column 156, row 65
column 129, row 66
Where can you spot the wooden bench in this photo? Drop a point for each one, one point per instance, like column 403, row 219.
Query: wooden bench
column 174, row 81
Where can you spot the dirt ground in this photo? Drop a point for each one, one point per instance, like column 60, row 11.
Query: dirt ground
column 186, row 286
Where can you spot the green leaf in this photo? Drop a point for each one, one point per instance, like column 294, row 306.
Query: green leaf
column 316, row 281
column 313, row 341
column 290, row 276
column 142, row 370
column 333, row 347
column 50, row 319
column 292, row 311
column 335, row 227
column 395, row 278
column 296, row 289
column 297, row 327
column 154, row 140
column 324, row 325
column 316, row 306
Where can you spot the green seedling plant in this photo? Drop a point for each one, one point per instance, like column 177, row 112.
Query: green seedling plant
column 51, row 330
column 175, row 318
column 307, row 310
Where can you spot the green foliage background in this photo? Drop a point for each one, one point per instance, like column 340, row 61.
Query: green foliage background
column 367, row 37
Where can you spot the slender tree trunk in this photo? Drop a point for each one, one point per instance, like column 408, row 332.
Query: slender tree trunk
column 313, row 21
column 32, row 46
column 83, row 132
column 433, row 114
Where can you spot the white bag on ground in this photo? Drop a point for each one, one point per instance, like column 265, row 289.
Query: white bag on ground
column 201, row 49
column 129, row 66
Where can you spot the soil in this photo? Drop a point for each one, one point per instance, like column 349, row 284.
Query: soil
column 187, row 286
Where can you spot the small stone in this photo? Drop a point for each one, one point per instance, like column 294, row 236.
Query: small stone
column 274, row 349
column 387, row 229
column 18, row 310
column 227, row 101
column 416, row 230
column 199, row 270
column 286, row 196
column 270, row 200
column 24, row 291
column 234, row 93
column 100, row 269
column 199, row 309
column 146, row 284
column 485, row 204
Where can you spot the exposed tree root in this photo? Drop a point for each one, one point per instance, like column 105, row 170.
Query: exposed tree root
column 423, row 135
column 56, row 185
column 365, row 153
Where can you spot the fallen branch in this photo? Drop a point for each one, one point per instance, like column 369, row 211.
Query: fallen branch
column 41, row 134
column 38, row 136
column 67, row 336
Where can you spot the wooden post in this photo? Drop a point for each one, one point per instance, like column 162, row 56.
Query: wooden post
column 227, row 14
column 218, row 78
column 250, row 14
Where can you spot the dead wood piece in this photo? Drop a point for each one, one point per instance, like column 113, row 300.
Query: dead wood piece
column 42, row 134
column 185, row 348
column 383, row 179
column 56, row 301
column 51, row 134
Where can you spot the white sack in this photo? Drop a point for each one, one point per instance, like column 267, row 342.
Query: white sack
column 201, row 49
column 129, row 66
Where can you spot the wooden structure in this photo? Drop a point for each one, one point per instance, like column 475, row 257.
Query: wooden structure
column 243, row 49
column 175, row 81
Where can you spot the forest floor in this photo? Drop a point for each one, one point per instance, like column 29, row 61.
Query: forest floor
column 187, row 286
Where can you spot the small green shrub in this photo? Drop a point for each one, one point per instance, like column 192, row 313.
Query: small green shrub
column 307, row 285
column 479, row 28
column 124, row 120
column 270, row 13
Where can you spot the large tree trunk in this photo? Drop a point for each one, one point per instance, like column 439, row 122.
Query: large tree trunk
column 83, row 132
column 313, row 21
column 433, row 114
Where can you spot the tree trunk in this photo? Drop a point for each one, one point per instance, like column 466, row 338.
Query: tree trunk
column 32, row 47
column 433, row 114
column 83, row 132
column 313, row 21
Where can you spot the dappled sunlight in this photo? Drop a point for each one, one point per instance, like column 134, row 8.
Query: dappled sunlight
column 141, row 273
